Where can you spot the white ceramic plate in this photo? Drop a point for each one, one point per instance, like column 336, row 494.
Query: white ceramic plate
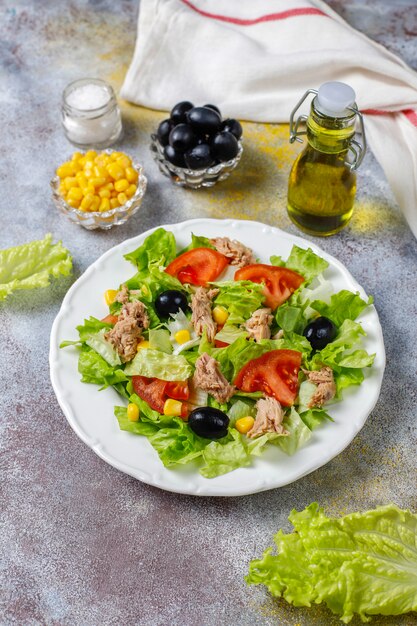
column 90, row 412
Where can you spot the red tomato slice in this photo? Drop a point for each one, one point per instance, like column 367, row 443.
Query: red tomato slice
column 178, row 390
column 152, row 390
column 198, row 266
column 274, row 373
column 110, row 319
column 280, row 282
column 220, row 344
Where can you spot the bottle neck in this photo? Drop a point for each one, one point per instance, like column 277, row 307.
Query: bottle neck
column 331, row 135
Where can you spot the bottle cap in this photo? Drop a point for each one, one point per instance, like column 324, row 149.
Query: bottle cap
column 334, row 98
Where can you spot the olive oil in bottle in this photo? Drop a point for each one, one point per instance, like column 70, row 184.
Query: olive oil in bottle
column 322, row 182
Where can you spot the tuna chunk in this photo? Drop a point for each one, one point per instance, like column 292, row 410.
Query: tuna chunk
column 326, row 387
column 208, row 377
column 268, row 419
column 126, row 333
column 236, row 252
column 122, row 295
column 201, row 308
column 258, row 324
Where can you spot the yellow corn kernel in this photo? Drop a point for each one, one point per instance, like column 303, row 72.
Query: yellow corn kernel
column 70, row 181
column 131, row 174
column 143, row 345
column 98, row 181
column 76, row 156
column 132, row 412
column 115, row 171
column 220, row 315
column 62, row 190
column 86, row 202
column 121, row 185
column 244, row 424
column 114, row 203
column 124, row 160
column 65, row 170
column 104, row 193
column 95, row 203
column 100, row 171
column 90, row 155
column 104, row 205
column 76, row 167
column 75, row 193
column 89, row 189
column 144, row 289
column 172, row 407
column 80, row 176
column 122, row 198
column 73, row 202
column 82, row 160
column 102, row 160
column 109, row 186
column 130, row 191
column 110, row 296
column 182, row 336
column 115, row 155
column 88, row 171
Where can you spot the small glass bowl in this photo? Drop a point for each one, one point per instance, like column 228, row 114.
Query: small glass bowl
column 106, row 219
column 194, row 179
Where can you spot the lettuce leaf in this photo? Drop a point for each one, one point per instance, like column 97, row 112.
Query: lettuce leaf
column 197, row 241
column 304, row 262
column 299, row 433
column 146, row 429
column 362, row 563
column 31, row 265
column 94, row 369
column 158, row 247
column 156, row 364
column 222, row 457
column 343, row 305
column 240, row 297
column 176, row 443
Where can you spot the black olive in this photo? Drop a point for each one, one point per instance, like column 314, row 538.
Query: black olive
column 178, row 113
column 234, row 127
column 208, row 422
column 203, row 120
column 320, row 332
column 199, row 157
column 174, row 156
column 213, row 107
column 224, row 146
column 182, row 138
column 163, row 131
column 170, row 301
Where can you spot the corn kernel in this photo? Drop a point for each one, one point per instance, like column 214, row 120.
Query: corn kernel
column 73, row 202
column 75, row 193
column 172, row 407
column 104, row 193
column 124, row 160
column 143, row 345
column 121, row 185
column 62, row 190
column 95, row 203
column 144, row 289
column 89, row 189
column 81, row 161
column 70, row 181
column 109, row 186
column 100, row 171
column 76, row 156
column 122, row 198
column 115, row 155
column 65, row 170
column 114, row 203
column 76, row 167
column 90, row 155
column 131, row 174
column 130, row 191
column 115, row 171
column 182, row 336
column 98, row 181
column 104, row 205
column 244, row 424
column 220, row 315
column 86, row 202
column 132, row 412
column 88, row 171
column 110, row 296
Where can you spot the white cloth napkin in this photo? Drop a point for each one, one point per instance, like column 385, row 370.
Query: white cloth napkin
column 256, row 59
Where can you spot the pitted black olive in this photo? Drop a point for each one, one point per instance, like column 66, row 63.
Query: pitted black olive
column 170, row 301
column 320, row 332
column 208, row 422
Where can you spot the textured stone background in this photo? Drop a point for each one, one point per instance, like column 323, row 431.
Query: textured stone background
column 83, row 544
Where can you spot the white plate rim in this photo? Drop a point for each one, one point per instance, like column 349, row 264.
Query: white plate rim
column 206, row 487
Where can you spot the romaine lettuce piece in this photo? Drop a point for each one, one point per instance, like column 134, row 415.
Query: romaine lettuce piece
column 240, row 297
column 156, row 364
column 103, row 347
column 31, row 265
column 158, row 247
column 343, row 305
column 94, row 369
column 223, row 457
column 299, row 433
column 362, row 563
column 304, row 262
column 197, row 241
column 159, row 340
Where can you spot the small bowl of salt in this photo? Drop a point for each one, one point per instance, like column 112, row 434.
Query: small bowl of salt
column 90, row 113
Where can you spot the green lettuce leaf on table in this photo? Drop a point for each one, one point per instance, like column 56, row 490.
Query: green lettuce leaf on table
column 362, row 563
column 32, row 265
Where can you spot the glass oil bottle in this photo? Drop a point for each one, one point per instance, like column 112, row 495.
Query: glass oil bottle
column 322, row 182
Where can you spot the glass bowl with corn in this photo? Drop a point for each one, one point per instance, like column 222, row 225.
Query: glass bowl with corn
column 99, row 189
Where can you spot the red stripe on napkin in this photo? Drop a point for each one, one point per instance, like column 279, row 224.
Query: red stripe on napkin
column 410, row 114
column 272, row 17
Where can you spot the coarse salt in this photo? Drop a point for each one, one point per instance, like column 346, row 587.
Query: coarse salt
column 88, row 97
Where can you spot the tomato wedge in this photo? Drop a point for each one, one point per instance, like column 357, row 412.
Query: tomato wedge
column 155, row 391
column 274, row 373
column 198, row 266
column 280, row 282
column 110, row 319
